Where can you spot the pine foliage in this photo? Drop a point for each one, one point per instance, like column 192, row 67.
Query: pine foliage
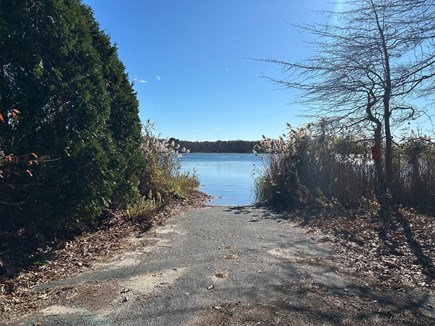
column 78, row 112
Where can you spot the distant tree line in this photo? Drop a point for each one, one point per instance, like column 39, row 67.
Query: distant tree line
column 220, row 146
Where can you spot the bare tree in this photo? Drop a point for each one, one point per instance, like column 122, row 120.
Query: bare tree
column 372, row 60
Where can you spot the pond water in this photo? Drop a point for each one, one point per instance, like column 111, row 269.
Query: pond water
column 229, row 178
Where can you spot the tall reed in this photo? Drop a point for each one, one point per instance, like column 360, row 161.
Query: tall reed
column 313, row 165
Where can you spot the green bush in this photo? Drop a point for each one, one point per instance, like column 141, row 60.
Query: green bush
column 79, row 113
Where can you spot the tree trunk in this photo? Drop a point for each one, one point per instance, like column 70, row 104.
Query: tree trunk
column 386, row 101
column 381, row 188
column 388, row 151
column 380, row 176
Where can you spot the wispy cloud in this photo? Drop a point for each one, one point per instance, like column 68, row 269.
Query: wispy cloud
column 217, row 129
column 227, row 69
column 158, row 77
column 142, row 81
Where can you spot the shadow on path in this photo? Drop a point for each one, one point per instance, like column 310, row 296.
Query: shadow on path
column 227, row 270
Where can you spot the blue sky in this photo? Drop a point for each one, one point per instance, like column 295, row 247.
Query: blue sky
column 187, row 59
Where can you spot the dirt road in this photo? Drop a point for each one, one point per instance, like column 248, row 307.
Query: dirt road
column 226, row 266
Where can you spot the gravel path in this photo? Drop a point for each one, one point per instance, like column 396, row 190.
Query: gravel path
column 226, row 266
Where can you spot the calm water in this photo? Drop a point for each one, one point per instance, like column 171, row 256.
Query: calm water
column 227, row 177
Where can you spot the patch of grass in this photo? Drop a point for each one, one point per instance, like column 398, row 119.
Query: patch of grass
column 179, row 186
column 143, row 208
column 182, row 184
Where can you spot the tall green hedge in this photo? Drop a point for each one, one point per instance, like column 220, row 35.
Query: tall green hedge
column 79, row 113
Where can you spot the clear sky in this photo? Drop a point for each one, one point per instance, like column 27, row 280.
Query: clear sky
column 187, row 59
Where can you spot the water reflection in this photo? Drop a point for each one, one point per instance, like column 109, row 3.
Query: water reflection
column 227, row 177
